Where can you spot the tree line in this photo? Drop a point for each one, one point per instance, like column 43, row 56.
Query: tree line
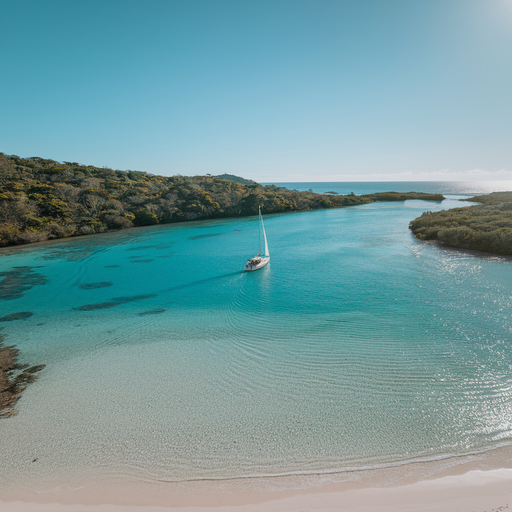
column 42, row 199
column 484, row 227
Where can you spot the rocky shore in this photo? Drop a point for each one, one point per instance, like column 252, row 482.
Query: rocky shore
column 14, row 378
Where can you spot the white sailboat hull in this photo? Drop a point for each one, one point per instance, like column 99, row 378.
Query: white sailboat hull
column 249, row 268
column 258, row 262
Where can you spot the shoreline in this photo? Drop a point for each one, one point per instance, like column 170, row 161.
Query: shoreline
column 477, row 491
column 451, row 484
column 165, row 199
column 111, row 231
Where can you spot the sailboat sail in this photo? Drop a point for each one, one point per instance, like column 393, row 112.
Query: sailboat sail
column 267, row 254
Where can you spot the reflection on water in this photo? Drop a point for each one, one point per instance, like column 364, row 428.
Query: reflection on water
column 206, row 281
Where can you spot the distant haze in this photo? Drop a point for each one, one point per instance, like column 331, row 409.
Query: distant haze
column 274, row 90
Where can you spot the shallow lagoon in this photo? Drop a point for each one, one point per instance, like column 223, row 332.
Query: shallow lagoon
column 356, row 347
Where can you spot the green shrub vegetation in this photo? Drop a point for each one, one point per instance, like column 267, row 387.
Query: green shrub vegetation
column 484, row 227
column 236, row 179
column 494, row 198
column 43, row 199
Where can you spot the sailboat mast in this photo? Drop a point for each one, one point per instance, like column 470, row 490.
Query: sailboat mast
column 259, row 229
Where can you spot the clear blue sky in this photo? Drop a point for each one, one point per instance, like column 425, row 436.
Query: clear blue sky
column 277, row 90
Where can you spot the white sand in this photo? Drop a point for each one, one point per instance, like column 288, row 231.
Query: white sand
column 475, row 491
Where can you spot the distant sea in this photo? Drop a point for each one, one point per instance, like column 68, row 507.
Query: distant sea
column 463, row 188
column 356, row 347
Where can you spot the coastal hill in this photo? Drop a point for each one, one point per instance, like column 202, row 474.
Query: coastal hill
column 236, row 179
column 484, row 227
column 44, row 199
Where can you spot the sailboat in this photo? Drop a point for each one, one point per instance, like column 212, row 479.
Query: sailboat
column 258, row 262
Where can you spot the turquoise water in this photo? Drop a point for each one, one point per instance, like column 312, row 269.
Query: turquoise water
column 357, row 347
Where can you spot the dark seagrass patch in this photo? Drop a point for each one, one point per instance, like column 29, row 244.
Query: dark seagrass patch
column 19, row 280
column 134, row 298
column 94, row 286
column 143, row 247
column 69, row 253
column 208, row 235
column 152, row 312
column 16, row 316
column 94, row 307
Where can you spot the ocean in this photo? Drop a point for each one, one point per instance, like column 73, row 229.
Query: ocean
column 357, row 347
column 459, row 188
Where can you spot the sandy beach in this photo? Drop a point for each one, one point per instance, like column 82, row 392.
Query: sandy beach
column 476, row 491
column 474, row 483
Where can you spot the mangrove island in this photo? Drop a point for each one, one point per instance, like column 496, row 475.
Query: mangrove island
column 483, row 227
